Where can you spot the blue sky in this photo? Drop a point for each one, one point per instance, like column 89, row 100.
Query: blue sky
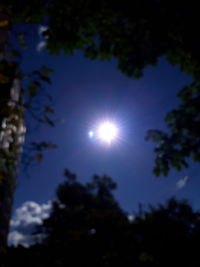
column 84, row 92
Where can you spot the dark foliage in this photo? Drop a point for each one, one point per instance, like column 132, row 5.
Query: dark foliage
column 136, row 34
column 88, row 228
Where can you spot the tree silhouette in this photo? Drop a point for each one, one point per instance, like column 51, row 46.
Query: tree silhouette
column 87, row 227
column 106, row 30
column 86, row 223
column 168, row 234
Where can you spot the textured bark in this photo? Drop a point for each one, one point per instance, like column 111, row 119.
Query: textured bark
column 7, row 135
column 11, row 141
column 7, row 188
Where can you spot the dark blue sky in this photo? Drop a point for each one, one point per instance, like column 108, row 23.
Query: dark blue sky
column 85, row 92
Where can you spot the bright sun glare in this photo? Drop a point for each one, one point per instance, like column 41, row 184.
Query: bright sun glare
column 107, row 132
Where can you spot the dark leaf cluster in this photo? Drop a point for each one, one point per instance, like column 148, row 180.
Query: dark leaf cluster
column 87, row 227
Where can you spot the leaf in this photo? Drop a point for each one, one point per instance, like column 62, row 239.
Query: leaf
column 51, row 146
column 48, row 110
column 4, row 23
column 45, row 79
column 38, row 156
column 46, row 70
column 33, row 89
column 14, row 53
column 4, row 79
column 22, row 41
column 45, row 145
column 48, row 121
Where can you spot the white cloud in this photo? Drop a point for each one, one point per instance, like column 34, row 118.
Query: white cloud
column 41, row 29
column 182, row 182
column 24, row 220
column 41, row 45
column 15, row 238
column 43, row 39
column 131, row 217
column 30, row 213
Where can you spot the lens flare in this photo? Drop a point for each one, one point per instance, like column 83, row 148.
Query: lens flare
column 91, row 134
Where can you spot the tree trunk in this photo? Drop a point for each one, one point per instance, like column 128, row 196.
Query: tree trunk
column 11, row 140
column 11, row 130
column 7, row 187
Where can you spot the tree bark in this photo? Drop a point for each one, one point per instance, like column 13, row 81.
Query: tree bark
column 7, row 188
column 11, row 140
column 11, row 131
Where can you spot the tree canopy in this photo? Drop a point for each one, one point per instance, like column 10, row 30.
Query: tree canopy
column 136, row 36
column 87, row 227
column 90, row 219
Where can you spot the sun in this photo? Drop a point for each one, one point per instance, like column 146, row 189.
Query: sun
column 107, row 132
